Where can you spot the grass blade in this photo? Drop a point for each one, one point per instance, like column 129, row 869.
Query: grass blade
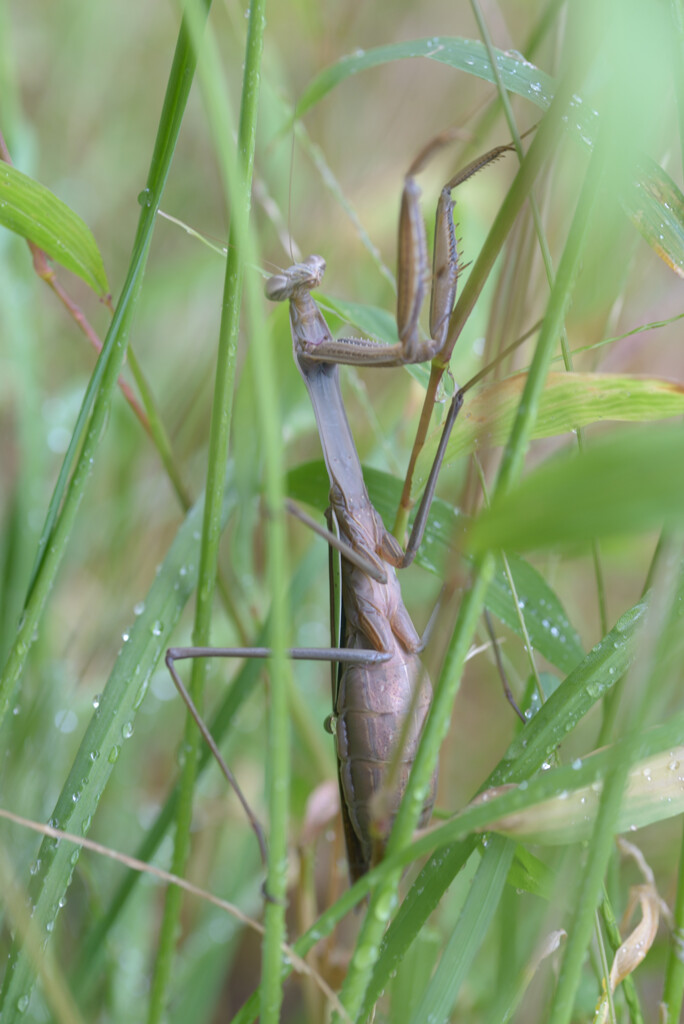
column 469, row 933
column 238, row 181
column 111, row 725
column 87, row 434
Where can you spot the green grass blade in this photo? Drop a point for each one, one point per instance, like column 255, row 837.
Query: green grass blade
column 469, row 933
column 469, row 55
column 635, row 753
column 35, row 213
column 237, row 176
column 673, row 992
column 600, row 670
column 652, row 793
column 87, row 434
column 243, row 686
column 111, row 725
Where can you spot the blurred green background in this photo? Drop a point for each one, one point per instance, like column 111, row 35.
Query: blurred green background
column 81, row 87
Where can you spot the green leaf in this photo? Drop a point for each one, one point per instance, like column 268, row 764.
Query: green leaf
column 569, row 400
column 653, row 202
column 32, row 211
column 620, row 485
column 656, row 207
column 469, row 933
column 653, row 793
column 469, row 55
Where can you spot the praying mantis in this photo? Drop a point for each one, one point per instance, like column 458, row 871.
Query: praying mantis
column 383, row 694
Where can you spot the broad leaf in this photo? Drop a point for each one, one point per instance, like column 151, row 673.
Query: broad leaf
column 569, row 400
column 624, row 484
column 32, row 211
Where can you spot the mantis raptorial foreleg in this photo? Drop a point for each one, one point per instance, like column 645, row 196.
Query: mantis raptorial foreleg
column 414, row 278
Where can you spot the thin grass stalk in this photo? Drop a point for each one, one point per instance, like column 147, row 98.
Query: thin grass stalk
column 57, row 993
column 582, row 926
column 19, row 977
column 615, row 939
column 105, row 376
column 599, row 957
column 158, row 433
column 529, row 649
column 677, row 18
column 237, row 178
column 673, row 993
column 241, row 688
column 548, row 267
column 278, row 769
column 278, row 740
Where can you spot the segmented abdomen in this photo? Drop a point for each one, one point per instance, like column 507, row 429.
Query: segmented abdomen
column 381, row 710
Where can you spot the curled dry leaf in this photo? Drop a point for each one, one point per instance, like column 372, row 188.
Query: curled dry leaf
column 635, row 947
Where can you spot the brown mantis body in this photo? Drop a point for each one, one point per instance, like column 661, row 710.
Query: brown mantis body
column 380, row 706
column 383, row 693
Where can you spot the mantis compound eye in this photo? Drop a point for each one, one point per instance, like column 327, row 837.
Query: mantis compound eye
column 278, row 288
